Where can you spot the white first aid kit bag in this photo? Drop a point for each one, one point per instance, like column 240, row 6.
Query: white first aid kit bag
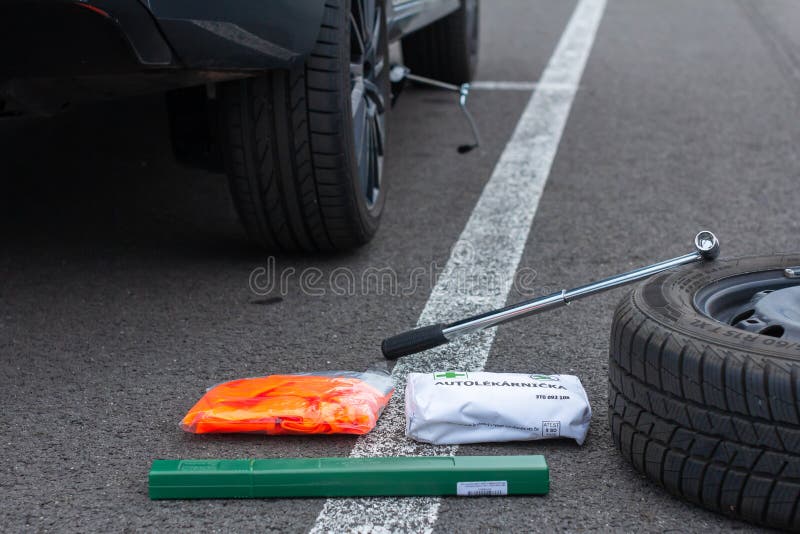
column 450, row 408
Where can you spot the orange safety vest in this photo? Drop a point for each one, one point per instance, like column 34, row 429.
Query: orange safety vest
column 288, row 404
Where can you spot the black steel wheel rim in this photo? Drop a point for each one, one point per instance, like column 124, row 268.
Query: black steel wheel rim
column 367, row 66
column 765, row 303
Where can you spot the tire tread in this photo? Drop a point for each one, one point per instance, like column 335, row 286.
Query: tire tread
column 710, row 424
column 440, row 51
column 283, row 133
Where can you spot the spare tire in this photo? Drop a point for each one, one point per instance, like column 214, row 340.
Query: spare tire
column 704, row 378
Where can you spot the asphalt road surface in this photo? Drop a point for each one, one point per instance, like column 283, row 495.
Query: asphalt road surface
column 125, row 280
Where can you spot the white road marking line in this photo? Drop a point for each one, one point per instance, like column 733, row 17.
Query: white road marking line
column 492, row 244
column 485, row 85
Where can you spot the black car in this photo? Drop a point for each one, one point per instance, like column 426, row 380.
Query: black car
column 288, row 96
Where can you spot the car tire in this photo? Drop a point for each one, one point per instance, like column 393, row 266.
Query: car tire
column 304, row 147
column 447, row 50
column 708, row 410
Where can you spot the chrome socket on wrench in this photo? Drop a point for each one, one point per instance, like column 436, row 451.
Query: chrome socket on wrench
column 706, row 248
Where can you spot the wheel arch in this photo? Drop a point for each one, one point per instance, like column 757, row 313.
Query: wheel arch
column 256, row 35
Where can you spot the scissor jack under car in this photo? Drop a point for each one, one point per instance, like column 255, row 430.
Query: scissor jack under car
column 400, row 73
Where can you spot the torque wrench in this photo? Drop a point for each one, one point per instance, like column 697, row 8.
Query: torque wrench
column 706, row 248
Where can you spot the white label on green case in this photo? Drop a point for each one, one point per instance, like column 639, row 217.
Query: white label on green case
column 482, row 488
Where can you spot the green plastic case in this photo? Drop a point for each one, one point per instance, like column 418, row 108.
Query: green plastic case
column 349, row 477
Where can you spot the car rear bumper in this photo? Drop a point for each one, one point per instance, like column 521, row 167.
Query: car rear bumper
column 239, row 34
column 50, row 43
column 62, row 37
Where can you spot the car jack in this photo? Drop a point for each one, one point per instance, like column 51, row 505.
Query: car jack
column 400, row 73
